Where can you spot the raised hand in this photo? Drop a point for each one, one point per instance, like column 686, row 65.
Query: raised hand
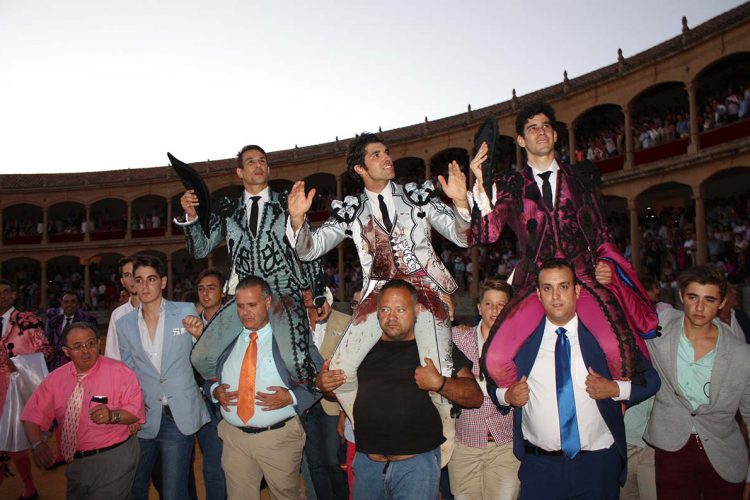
column 193, row 325
column 299, row 204
column 188, row 202
column 476, row 165
column 455, row 186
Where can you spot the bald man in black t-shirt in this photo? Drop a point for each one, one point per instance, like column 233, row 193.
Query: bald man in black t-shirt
column 398, row 430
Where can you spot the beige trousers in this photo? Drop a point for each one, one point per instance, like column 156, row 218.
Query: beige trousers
column 641, row 481
column 484, row 473
column 275, row 455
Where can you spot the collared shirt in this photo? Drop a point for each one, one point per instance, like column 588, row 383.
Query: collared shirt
column 153, row 348
column 540, row 416
column 483, row 202
column 474, row 425
column 111, row 347
column 554, row 168
column 387, row 194
column 266, row 375
column 108, row 378
column 694, row 376
column 264, row 197
column 6, row 321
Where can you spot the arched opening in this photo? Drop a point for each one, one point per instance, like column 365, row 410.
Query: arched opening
column 726, row 195
column 25, row 274
column 409, row 169
column 232, row 192
column 562, row 146
column 723, row 100
column 23, row 224
column 661, row 123
column 600, row 136
column 109, row 219
column 325, row 193
column 66, row 221
column 283, row 185
column 149, row 216
column 666, row 219
column 618, row 220
column 66, row 273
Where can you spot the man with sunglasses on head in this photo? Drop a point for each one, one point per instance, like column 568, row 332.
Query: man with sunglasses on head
column 94, row 398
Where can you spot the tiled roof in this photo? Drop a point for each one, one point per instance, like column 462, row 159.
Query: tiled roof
column 718, row 24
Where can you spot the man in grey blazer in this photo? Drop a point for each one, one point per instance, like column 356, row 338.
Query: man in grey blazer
column 155, row 345
column 705, row 373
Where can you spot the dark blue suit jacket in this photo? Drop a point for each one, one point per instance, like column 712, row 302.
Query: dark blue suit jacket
column 610, row 410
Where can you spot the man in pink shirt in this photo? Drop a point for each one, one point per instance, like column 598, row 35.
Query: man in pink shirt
column 95, row 399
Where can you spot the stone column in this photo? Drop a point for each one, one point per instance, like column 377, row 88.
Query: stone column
column 87, row 281
column 43, row 285
column 694, row 111
column 168, row 222
column 211, row 260
column 427, row 171
column 572, row 142
column 87, row 234
column 340, row 187
column 629, row 152
column 341, row 294
column 700, row 227
column 635, row 235
column 128, row 230
column 44, row 223
column 170, row 284
column 2, row 227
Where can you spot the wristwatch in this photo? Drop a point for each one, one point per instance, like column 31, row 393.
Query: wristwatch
column 115, row 417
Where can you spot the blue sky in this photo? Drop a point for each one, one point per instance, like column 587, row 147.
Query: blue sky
column 111, row 84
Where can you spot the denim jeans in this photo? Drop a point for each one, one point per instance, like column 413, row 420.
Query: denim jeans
column 413, row 479
column 321, row 451
column 174, row 449
column 211, row 446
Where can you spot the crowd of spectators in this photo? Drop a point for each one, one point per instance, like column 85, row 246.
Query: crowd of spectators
column 725, row 108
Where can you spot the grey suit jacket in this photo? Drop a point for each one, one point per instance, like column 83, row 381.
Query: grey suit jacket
column 176, row 379
column 673, row 416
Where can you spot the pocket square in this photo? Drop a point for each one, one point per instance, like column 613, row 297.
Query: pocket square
column 178, row 331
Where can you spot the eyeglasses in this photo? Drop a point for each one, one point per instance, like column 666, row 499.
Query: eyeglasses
column 87, row 345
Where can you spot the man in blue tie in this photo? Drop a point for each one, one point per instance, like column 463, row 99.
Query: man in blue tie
column 568, row 426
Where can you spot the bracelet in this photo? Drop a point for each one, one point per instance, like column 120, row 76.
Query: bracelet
column 445, row 379
column 37, row 445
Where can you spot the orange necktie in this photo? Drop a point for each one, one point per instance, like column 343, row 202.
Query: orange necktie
column 246, row 396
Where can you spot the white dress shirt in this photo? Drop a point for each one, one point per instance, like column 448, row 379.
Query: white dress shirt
column 264, row 197
column 540, row 422
column 153, row 347
column 266, row 375
column 481, row 199
column 111, row 346
column 387, row 194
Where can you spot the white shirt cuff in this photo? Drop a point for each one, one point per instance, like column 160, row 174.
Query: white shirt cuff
column 211, row 392
column 291, row 235
column 481, row 199
column 186, row 222
column 500, row 393
column 624, row 390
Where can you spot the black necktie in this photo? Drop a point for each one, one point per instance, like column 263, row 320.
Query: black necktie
column 384, row 213
column 254, row 215
column 67, row 322
column 547, row 189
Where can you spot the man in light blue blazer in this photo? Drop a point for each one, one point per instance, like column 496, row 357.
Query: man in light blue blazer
column 155, row 345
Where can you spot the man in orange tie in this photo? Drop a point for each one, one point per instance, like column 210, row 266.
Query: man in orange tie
column 261, row 430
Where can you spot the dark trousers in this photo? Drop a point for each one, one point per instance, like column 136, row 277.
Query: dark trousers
column 321, row 449
column 687, row 474
column 593, row 475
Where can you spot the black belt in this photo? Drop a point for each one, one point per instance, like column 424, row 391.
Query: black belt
column 88, row 453
column 535, row 450
column 258, row 430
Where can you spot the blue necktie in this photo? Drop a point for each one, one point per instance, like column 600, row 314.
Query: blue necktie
column 566, row 404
